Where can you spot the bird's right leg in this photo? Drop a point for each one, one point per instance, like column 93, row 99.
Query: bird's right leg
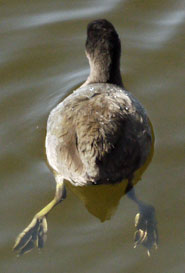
column 145, row 222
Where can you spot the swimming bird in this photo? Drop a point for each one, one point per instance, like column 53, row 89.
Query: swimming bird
column 98, row 135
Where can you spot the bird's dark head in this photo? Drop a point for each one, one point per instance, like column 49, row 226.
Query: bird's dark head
column 102, row 39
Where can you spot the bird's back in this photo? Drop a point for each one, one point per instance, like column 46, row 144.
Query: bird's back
column 100, row 134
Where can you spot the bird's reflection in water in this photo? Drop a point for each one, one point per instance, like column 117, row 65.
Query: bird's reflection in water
column 103, row 200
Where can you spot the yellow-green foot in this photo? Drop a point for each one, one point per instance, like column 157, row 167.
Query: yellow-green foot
column 32, row 236
column 146, row 229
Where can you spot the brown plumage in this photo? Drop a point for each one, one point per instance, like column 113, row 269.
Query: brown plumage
column 103, row 135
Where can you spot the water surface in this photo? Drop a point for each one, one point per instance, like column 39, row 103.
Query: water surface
column 41, row 60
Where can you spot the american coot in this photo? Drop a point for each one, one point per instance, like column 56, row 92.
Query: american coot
column 99, row 135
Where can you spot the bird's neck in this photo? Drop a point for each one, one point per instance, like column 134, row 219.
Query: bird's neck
column 104, row 71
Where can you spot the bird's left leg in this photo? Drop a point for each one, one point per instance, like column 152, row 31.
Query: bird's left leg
column 34, row 235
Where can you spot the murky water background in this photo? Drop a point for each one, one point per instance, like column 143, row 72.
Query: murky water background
column 41, row 59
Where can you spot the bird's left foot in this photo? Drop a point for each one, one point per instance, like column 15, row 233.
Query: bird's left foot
column 146, row 228
column 32, row 236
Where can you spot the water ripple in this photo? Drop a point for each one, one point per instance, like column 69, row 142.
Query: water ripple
column 157, row 30
column 27, row 21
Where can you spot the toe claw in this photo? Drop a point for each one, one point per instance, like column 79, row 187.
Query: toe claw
column 139, row 237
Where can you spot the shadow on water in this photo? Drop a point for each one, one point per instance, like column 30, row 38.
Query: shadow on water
column 100, row 200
